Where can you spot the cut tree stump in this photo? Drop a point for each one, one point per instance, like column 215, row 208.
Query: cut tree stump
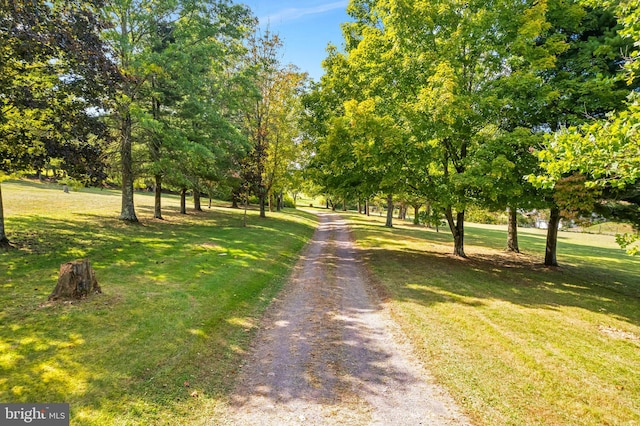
column 76, row 280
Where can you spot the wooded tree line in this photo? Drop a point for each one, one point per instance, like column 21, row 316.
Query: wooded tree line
column 188, row 95
column 503, row 104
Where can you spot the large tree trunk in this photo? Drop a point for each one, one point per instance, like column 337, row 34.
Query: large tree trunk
column 157, row 205
column 389, row 223
column 367, row 210
column 197, row 204
column 512, row 231
column 457, row 230
column 183, row 201
column 280, row 203
column 4, row 241
column 234, row 200
column 552, row 238
column 416, row 214
column 127, row 211
column 263, row 202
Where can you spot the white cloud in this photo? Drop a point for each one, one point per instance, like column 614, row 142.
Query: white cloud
column 291, row 14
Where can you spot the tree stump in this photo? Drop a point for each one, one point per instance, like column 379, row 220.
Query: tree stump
column 76, row 280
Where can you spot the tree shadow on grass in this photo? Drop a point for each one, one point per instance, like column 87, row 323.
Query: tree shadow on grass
column 429, row 278
column 172, row 319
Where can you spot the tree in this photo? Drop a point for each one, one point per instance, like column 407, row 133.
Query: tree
column 587, row 85
column 193, row 83
column 272, row 121
column 444, row 68
column 167, row 54
column 54, row 71
column 497, row 175
column 285, row 133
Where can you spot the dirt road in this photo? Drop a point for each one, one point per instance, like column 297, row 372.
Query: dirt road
column 329, row 354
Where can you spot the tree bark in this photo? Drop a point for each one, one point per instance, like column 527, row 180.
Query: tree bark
column 244, row 216
column 157, row 205
column 550, row 258
column 183, row 201
column 76, row 280
column 127, row 211
column 389, row 223
column 263, row 202
column 4, row 241
column 197, row 204
column 457, row 230
column 367, row 211
column 416, row 214
column 512, row 231
column 234, row 200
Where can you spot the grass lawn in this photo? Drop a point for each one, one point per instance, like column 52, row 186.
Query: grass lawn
column 163, row 343
column 515, row 342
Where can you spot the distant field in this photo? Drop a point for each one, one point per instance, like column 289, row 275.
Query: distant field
column 610, row 228
column 515, row 342
column 164, row 341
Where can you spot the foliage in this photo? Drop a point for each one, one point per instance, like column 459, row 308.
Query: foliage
column 54, row 75
column 177, row 57
column 429, row 73
column 53, row 71
column 606, row 150
column 628, row 241
column 271, row 121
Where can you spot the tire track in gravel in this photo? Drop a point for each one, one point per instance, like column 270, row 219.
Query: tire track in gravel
column 328, row 353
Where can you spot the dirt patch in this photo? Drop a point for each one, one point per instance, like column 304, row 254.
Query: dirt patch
column 328, row 352
column 618, row 334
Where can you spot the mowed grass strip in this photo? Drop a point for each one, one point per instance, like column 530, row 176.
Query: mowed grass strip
column 181, row 300
column 515, row 342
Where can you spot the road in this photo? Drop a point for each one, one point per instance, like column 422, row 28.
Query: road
column 328, row 352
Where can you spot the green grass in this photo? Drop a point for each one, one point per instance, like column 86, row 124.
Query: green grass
column 179, row 304
column 517, row 343
column 611, row 228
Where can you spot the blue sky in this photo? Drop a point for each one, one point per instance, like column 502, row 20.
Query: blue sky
column 306, row 27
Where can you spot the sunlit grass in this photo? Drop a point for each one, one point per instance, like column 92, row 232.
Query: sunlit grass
column 515, row 342
column 180, row 298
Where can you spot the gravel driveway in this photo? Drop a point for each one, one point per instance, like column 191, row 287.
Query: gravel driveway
column 328, row 353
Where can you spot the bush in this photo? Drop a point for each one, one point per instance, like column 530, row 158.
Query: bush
column 478, row 215
column 288, row 202
column 72, row 183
